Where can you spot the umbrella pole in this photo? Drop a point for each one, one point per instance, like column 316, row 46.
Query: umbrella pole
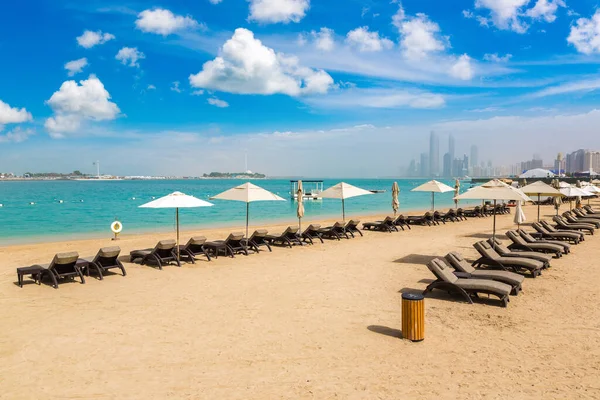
column 538, row 207
column 494, row 234
column 247, row 212
column 432, row 201
column 177, row 221
column 343, row 211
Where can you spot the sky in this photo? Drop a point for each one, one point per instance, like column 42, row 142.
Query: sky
column 315, row 88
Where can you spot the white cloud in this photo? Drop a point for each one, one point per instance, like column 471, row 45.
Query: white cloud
column 175, row 87
column 246, row 66
column 420, row 37
column 494, row 57
column 324, row 39
column 585, row 34
column 151, row 87
column 462, row 69
column 273, row 11
column 16, row 135
column 468, row 14
column 217, row 102
column 364, row 40
column 130, row 56
column 90, row 39
column 163, row 22
column 355, row 98
column 398, row 17
column 12, row 115
column 486, row 110
column 505, row 13
column 76, row 66
column 74, row 103
column 215, row 1
column 545, row 9
column 588, row 85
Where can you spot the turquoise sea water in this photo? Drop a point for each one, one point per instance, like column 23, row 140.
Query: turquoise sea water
column 89, row 207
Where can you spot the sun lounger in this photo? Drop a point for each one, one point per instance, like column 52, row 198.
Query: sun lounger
column 526, row 236
column 489, row 257
column 289, row 237
column 590, row 210
column 425, row 219
column 336, row 231
column 234, row 244
column 460, row 214
column 352, row 227
column 580, row 216
column 456, row 261
column 518, row 243
column 163, row 253
column 63, row 266
column 450, row 216
column 402, row 222
column 438, row 217
column 562, row 223
column 573, row 219
column 106, row 259
column 552, row 229
column 468, row 288
column 473, row 212
column 387, row 225
column 311, row 233
column 257, row 240
column 193, row 248
column 504, row 251
column 564, row 236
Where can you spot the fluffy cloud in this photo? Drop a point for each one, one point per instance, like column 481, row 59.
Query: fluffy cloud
column 130, row 56
column 246, row 66
column 16, row 135
column 215, row 1
column 364, row 40
column 163, row 22
column 585, row 34
column 420, row 37
column 545, row 9
column 494, row 57
column 324, row 39
column 358, row 98
column 273, row 11
column 175, row 87
column 513, row 15
column 213, row 101
column 90, row 39
column 462, row 69
column 74, row 103
column 76, row 66
column 12, row 115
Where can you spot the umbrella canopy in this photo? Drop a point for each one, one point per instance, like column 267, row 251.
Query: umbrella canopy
column 433, row 187
column 592, row 189
column 494, row 192
column 247, row 193
column 572, row 191
column 343, row 191
column 456, row 192
column 177, row 200
column 540, row 188
column 300, row 209
column 519, row 214
column 563, row 184
column 395, row 201
column 557, row 200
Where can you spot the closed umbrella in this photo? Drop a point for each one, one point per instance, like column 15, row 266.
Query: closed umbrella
column 557, row 200
column 456, row 192
column 433, row 187
column 177, row 200
column 540, row 188
column 247, row 193
column 343, row 191
column 300, row 209
column 519, row 215
column 395, row 201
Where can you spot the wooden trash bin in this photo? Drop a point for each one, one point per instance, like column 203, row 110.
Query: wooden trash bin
column 413, row 317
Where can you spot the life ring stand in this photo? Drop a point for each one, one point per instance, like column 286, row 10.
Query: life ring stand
column 116, row 227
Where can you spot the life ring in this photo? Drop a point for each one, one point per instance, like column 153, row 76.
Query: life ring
column 116, row 227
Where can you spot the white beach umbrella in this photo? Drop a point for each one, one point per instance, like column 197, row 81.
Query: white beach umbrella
column 433, row 187
column 540, row 188
column 343, row 191
column 177, row 200
column 573, row 191
column 247, row 193
column 395, row 201
column 519, row 214
column 494, row 192
column 456, row 192
column 300, row 209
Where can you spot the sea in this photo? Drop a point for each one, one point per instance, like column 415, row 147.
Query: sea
column 35, row 211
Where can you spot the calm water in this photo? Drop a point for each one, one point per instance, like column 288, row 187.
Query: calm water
column 88, row 208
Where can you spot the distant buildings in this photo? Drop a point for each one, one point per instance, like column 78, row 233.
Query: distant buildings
column 582, row 161
column 474, row 156
column 434, row 154
column 424, row 171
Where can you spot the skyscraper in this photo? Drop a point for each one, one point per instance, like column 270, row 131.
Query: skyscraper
column 474, row 156
column 447, row 165
column 424, row 165
column 434, row 154
column 451, row 146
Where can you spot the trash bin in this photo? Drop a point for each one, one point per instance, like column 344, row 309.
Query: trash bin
column 413, row 317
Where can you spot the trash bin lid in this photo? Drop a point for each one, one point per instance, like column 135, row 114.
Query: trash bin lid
column 411, row 296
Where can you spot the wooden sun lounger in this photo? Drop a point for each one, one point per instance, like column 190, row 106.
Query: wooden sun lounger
column 552, row 229
column 62, row 266
column 467, row 288
column 518, row 243
column 257, row 240
column 387, row 225
column 311, row 233
column 106, row 259
column 336, row 231
column 193, row 248
column 234, row 244
column 163, row 253
column 489, row 257
column 504, row 251
column 402, row 222
column 526, row 236
column 559, row 235
column 562, row 223
column 352, row 227
column 575, row 217
column 425, row 219
column 289, row 238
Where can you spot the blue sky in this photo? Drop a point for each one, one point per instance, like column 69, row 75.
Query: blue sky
column 186, row 87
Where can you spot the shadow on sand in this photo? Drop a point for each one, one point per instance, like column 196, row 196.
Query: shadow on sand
column 415, row 259
column 384, row 330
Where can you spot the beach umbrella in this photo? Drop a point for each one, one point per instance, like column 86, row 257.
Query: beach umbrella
column 433, row 187
column 395, row 201
column 300, row 209
column 572, row 191
column 343, row 191
column 177, row 200
column 247, row 193
column 519, row 215
column 495, row 190
column 456, row 192
column 557, row 200
column 540, row 188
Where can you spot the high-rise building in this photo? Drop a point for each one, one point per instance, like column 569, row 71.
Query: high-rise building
column 434, row 154
column 559, row 164
column 474, row 156
column 451, row 146
column 424, row 165
column 447, row 165
column 591, row 161
column 575, row 161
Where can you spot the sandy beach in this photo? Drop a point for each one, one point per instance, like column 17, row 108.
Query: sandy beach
column 313, row 322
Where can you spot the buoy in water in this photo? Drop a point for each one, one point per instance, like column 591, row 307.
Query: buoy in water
column 1, row 205
column 133, row 198
column 31, row 203
column 81, row 200
column 61, row 201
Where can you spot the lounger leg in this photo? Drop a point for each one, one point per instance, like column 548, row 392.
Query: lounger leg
column 121, row 267
column 80, row 274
